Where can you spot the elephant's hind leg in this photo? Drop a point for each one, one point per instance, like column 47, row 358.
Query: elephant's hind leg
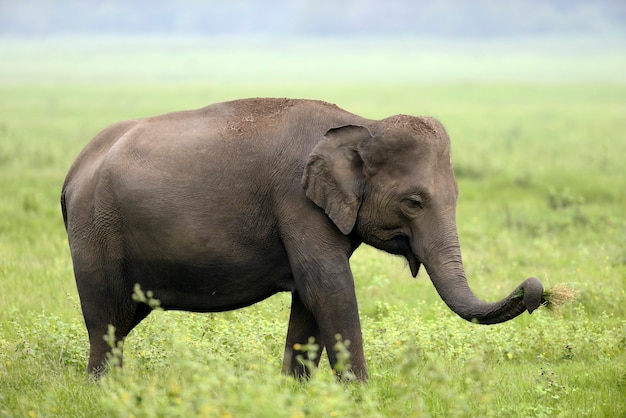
column 302, row 327
column 101, row 347
column 107, row 301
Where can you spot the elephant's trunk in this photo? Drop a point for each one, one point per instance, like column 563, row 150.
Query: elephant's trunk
column 448, row 277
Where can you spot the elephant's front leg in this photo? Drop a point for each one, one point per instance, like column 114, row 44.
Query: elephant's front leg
column 325, row 307
column 299, row 355
column 338, row 319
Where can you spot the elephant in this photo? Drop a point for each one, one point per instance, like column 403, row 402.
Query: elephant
column 221, row 207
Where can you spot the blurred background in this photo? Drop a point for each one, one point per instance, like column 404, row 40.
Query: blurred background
column 282, row 18
column 533, row 95
column 312, row 41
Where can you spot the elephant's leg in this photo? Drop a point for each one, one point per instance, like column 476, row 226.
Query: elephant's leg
column 98, row 350
column 123, row 321
column 332, row 302
column 338, row 317
column 320, row 266
column 106, row 301
column 302, row 327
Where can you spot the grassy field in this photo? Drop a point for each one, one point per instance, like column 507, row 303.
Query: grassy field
column 538, row 148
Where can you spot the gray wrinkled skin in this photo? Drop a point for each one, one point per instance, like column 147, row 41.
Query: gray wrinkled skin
column 219, row 208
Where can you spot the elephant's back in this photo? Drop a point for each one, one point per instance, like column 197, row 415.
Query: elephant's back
column 220, row 147
column 268, row 118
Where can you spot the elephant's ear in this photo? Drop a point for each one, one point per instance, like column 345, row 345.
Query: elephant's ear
column 333, row 176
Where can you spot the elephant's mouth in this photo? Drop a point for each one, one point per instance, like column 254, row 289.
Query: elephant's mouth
column 396, row 242
column 414, row 264
column 404, row 248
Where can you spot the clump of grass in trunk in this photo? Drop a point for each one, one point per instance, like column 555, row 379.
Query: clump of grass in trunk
column 559, row 295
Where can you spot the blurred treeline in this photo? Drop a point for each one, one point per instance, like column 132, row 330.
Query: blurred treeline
column 423, row 18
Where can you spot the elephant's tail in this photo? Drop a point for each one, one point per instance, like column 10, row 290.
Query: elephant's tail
column 64, row 207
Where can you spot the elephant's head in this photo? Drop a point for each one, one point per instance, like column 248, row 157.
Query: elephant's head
column 393, row 185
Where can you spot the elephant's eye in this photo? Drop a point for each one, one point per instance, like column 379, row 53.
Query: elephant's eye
column 414, row 202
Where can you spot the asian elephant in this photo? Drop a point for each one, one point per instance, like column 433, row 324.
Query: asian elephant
column 218, row 208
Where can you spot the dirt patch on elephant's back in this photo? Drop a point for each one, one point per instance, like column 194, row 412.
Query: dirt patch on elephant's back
column 252, row 114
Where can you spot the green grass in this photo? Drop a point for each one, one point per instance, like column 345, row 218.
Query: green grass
column 539, row 160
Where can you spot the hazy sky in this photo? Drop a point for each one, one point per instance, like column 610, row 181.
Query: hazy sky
column 441, row 18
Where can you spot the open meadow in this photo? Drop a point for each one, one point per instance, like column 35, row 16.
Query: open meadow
column 539, row 146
